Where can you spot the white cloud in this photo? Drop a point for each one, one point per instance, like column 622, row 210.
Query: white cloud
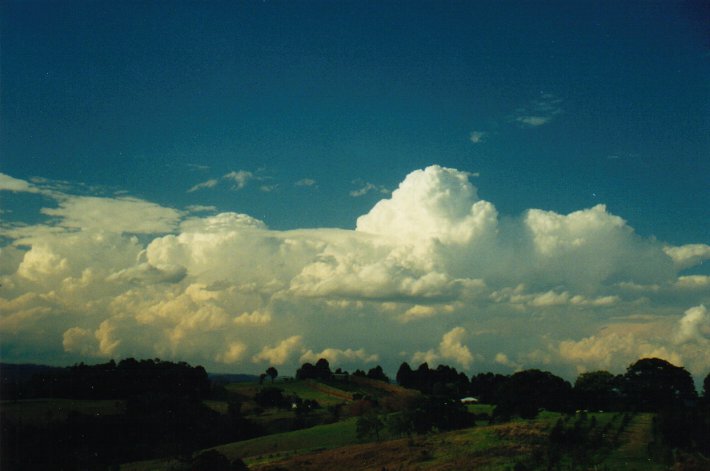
column 240, row 178
column 8, row 183
column 211, row 183
column 234, row 353
column 450, row 349
column 478, row 137
column 532, row 120
column 368, row 187
column 79, row 340
column 268, row 188
column 434, row 203
column 280, row 353
column 687, row 256
column 305, row 182
column 540, row 111
column 114, row 215
column 419, row 311
column 120, row 276
column 620, row 344
column 694, row 325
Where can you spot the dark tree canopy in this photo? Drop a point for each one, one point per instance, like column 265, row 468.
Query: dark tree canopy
column 272, row 372
column 442, row 381
column 652, row 384
column 378, row 374
column 321, row 370
column 485, row 386
column 596, row 390
column 128, row 378
column 404, row 374
column 526, row 392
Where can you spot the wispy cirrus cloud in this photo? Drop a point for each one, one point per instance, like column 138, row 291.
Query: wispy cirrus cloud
column 540, row 112
column 367, row 187
column 239, row 180
column 307, row 182
column 211, row 183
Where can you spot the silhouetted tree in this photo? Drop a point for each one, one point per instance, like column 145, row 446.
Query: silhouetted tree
column 651, row 384
column 596, row 390
column 378, row 374
column 526, row 392
column 270, row 397
column 485, row 386
column 321, row 370
column 404, row 375
column 272, row 372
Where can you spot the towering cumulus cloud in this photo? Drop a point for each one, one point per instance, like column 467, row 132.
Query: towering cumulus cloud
column 431, row 273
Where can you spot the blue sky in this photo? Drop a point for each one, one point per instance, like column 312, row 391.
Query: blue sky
column 305, row 115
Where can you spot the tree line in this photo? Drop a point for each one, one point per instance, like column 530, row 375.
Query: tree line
column 649, row 385
column 111, row 380
column 162, row 413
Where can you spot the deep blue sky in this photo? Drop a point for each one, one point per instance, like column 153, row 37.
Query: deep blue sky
column 307, row 115
column 153, row 98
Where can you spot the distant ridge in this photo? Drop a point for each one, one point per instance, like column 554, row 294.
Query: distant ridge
column 20, row 372
column 232, row 378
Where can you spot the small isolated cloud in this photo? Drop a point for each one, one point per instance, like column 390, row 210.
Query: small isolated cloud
column 478, row 137
column 240, row 178
column 368, row 187
column 539, row 112
column 305, row 182
column 268, row 188
column 211, row 183
column 280, row 353
column 451, row 348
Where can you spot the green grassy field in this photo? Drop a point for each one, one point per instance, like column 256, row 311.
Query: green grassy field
column 502, row 446
column 276, row 446
column 632, row 454
column 325, row 395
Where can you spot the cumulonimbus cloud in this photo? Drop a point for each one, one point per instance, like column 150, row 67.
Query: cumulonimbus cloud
column 430, row 273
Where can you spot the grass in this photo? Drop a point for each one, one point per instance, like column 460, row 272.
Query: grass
column 480, row 408
column 272, row 447
column 325, row 395
column 633, row 454
column 490, row 447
